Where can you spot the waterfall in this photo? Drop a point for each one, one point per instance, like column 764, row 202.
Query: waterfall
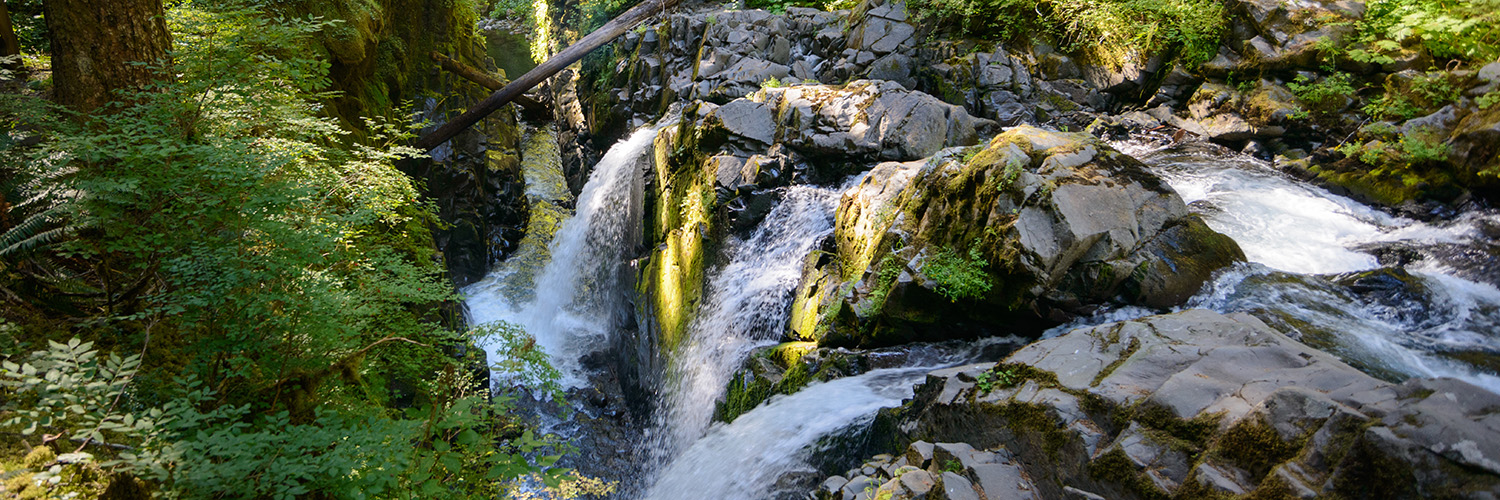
column 742, row 460
column 747, row 305
column 568, row 304
column 1301, row 241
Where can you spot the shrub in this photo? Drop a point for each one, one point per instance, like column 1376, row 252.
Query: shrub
column 1115, row 27
column 1463, row 29
column 1326, row 96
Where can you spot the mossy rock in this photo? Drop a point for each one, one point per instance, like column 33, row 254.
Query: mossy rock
column 1011, row 237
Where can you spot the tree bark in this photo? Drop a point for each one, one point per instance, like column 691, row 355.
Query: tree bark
column 96, row 42
column 486, row 80
column 573, row 53
column 9, row 44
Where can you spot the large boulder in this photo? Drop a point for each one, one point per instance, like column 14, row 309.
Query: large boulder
column 1025, row 232
column 863, row 120
column 1476, row 148
column 1201, row 405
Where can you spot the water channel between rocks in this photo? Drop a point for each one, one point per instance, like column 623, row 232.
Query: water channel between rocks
column 1321, row 268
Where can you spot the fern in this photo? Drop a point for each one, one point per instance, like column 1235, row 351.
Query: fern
column 32, row 234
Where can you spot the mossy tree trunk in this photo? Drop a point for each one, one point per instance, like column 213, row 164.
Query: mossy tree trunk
column 96, row 45
column 9, row 44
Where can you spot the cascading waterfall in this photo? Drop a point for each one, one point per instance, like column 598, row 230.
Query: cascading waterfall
column 568, row 306
column 1302, row 242
column 1305, row 247
column 747, row 307
column 743, row 459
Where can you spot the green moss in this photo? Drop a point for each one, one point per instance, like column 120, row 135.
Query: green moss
column 1369, row 473
column 1387, row 191
column 1197, row 430
column 1254, row 446
column 1116, row 467
column 745, row 392
column 890, row 269
column 1036, row 424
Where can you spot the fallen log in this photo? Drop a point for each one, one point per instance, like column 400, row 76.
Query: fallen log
column 484, row 79
column 573, row 53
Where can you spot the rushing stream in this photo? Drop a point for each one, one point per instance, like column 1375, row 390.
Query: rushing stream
column 1313, row 270
column 1395, row 297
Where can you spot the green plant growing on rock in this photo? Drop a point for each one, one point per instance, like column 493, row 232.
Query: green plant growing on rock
column 890, row 270
column 1462, row 29
column 958, row 277
column 1325, row 96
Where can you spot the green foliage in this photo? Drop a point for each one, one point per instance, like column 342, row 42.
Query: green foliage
column 73, row 393
column 1398, row 157
column 445, row 449
column 1326, row 96
column 276, row 273
column 1423, row 94
column 521, row 11
column 1465, row 29
column 518, row 356
column 772, row 83
column 958, row 277
column 1488, row 99
column 779, row 6
column 1115, row 27
column 29, row 25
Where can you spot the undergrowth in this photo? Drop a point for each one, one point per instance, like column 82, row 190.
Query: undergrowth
column 1116, row 28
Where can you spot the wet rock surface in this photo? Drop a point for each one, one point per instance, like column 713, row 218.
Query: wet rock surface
column 1195, row 404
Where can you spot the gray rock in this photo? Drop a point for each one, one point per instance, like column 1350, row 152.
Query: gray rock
column 1436, row 126
column 1163, row 465
column 891, row 489
column 833, row 485
column 1224, row 479
column 1077, row 494
column 1228, row 127
column 918, row 483
column 748, row 119
column 1002, row 481
column 896, row 67
column 919, row 454
column 859, row 487
column 870, row 119
column 957, row 487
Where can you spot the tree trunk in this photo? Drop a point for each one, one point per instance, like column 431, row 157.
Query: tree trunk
column 9, row 44
column 573, row 53
column 534, row 109
column 95, row 42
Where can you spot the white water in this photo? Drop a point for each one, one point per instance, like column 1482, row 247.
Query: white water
column 1296, row 235
column 748, row 303
column 570, row 310
column 743, row 459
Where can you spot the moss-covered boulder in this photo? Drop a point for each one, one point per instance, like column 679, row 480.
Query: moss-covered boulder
column 1201, row 405
column 1025, row 232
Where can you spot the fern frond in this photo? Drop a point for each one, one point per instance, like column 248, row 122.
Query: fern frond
column 32, row 233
